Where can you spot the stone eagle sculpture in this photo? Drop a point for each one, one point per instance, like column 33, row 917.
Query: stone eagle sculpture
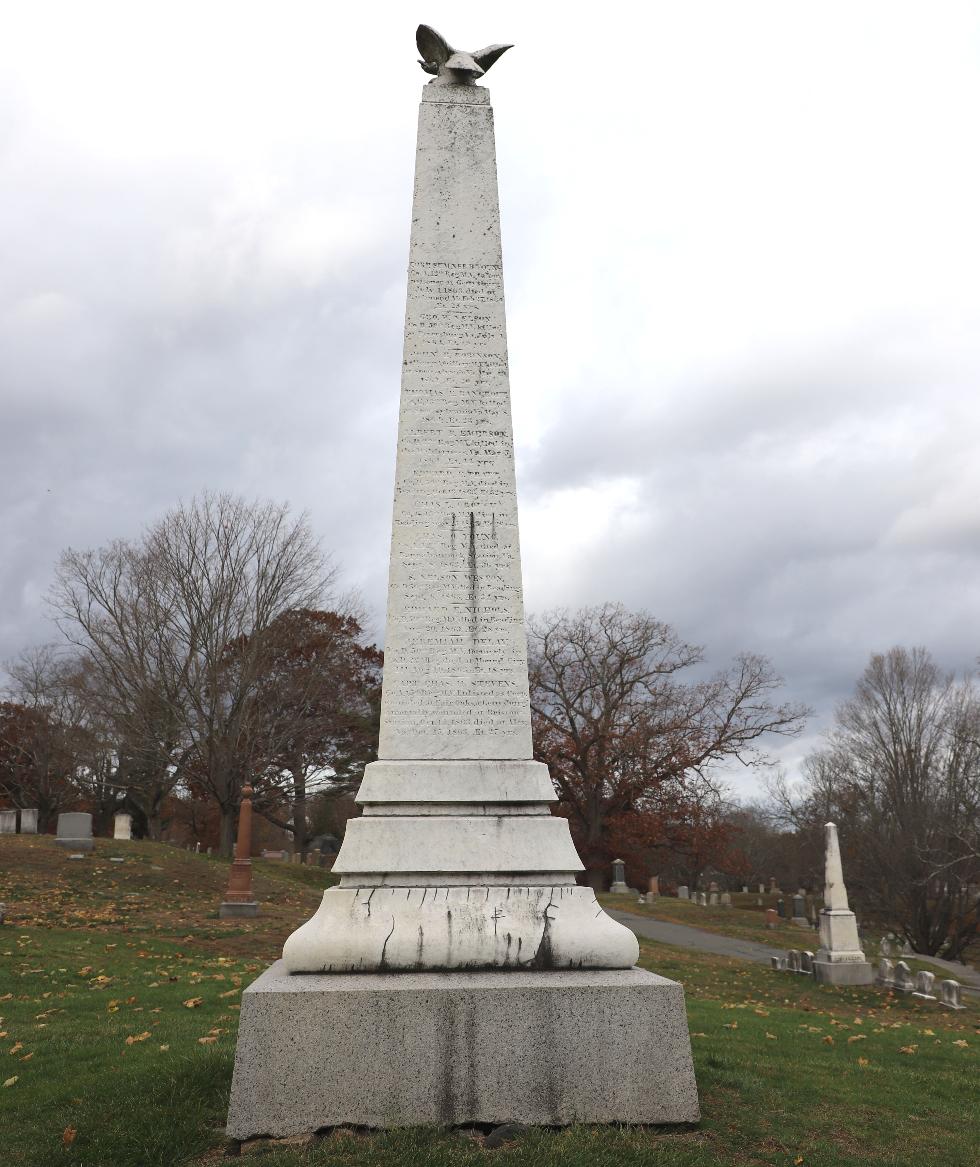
column 449, row 66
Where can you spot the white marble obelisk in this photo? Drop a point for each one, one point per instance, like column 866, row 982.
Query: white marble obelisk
column 839, row 960
column 457, row 974
column 457, row 861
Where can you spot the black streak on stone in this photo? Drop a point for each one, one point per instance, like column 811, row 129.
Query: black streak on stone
column 474, row 617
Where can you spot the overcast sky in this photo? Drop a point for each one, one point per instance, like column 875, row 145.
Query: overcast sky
column 741, row 246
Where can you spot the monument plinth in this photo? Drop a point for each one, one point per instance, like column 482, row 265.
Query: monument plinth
column 515, row 998
column 839, row 960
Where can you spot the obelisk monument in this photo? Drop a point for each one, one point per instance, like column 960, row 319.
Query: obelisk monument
column 839, row 960
column 465, row 975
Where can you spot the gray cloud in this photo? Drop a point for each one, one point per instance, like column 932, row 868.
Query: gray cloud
column 741, row 293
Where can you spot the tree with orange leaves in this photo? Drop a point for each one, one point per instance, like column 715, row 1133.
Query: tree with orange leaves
column 630, row 744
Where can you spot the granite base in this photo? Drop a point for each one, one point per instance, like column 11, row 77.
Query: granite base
column 857, row 972
column 401, row 1049
column 75, row 844
column 230, row 909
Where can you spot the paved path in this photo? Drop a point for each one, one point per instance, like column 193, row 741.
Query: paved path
column 682, row 936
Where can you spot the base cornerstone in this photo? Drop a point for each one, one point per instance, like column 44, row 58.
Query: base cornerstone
column 833, row 972
column 402, row 1049
column 235, row 908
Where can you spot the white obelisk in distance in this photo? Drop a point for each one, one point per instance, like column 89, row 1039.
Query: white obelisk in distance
column 457, row 862
column 839, row 959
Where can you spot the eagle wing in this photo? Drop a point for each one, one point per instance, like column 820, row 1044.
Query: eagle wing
column 486, row 57
column 435, row 49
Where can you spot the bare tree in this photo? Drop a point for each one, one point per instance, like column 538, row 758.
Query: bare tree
column 901, row 773
column 172, row 625
column 631, row 747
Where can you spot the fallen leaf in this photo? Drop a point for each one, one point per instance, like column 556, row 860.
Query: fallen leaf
column 771, row 1036
column 84, row 972
column 164, row 1048
column 27, row 1057
column 206, row 1040
column 863, row 1062
column 733, row 1025
column 908, row 1049
column 11, row 1081
column 828, row 1040
column 69, row 1136
column 857, row 1037
column 14, row 1048
column 193, row 1002
column 961, row 1043
column 137, row 1037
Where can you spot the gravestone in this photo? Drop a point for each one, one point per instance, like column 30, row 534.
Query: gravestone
column 793, row 960
column 806, row 962
column 123, row 826
column 885, row 947
column 745, row 889
column 903, row 981
column 781, row 909
column 886, row 973
column 457, row 974
column 653, row 888
column 799, row 911
column 713, row 886
column 75, row 831
column 839, row 960
column 8, row 822
column 618, row 885
column 713, row 899
column 28, row 821
column 951, row 994
column 726, row 900
column 683, row 892
column 773, row 888
column 702, row 899
column 779, row 963
column 924, row 982
column 762, row 889
column 772, row 918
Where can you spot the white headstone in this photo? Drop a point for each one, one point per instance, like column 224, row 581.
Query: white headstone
column 683, row 892
column 793, row 960
column 951, row 994
column 806, row 961
column 123, row 826
column 886, row 973
column 28, row 821
column 726, row 899
column 903, row 981
column 923, row 985
column 713, row 899
column 8, row 822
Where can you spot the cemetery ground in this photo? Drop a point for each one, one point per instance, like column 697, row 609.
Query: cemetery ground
column 745, row 920
column 119, row 997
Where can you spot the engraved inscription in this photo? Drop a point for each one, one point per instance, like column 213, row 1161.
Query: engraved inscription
column 455, row 658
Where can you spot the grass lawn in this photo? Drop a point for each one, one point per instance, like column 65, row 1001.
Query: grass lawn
column 118, row 1034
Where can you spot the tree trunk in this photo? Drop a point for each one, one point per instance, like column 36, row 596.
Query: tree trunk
column 301, row 827
column 227, row 834
column 597, row 878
